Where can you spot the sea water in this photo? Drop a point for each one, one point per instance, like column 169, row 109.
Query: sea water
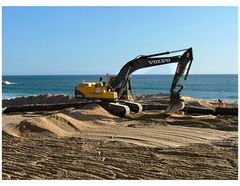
column 199, row 86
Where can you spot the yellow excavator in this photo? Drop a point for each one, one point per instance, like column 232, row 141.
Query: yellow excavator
column 116, row 93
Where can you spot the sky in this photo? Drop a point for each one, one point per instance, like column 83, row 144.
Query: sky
column 100, row 40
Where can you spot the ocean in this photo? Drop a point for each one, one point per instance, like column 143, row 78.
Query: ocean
column 199, row 86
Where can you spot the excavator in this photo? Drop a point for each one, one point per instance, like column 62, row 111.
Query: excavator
column 116, row 96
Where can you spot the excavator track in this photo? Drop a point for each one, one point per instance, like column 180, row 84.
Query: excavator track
column 133, row 106
column 115, row 108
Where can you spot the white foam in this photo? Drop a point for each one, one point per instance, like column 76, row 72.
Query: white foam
column 8, row 83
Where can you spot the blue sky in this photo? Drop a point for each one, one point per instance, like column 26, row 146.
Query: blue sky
column 100, row 40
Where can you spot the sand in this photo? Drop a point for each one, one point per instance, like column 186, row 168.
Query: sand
column 41, row 99
column 189, row 101
column 90, row 143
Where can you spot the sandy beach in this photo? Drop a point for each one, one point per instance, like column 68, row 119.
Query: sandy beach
column 91, row 143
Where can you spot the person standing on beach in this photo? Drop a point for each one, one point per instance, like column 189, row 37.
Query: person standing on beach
column 221, row 103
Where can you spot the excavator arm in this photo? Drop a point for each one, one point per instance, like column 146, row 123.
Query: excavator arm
column 183, row 62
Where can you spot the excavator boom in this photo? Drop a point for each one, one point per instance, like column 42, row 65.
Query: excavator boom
column 183, row 62
column 119, row 83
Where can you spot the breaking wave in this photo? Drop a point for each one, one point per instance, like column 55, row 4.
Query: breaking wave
column 8, row 83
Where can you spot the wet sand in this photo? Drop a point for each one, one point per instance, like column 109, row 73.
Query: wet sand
column 90, row 143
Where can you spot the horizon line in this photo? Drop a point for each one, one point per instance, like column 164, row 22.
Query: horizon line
column 96, row 74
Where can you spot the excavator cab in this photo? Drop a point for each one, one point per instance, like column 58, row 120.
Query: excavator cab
column 127, row 93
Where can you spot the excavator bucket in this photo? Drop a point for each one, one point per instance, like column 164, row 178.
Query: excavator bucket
column 175, row 103
column 174, row 107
